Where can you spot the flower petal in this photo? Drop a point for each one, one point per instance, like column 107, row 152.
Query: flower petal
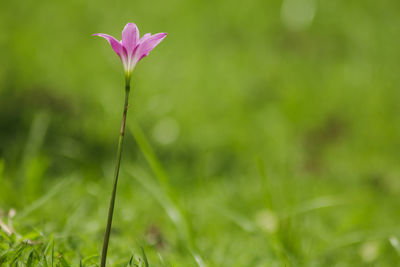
column 115, row 44
column 148, row 44
column 144, row 38
column 130, row 37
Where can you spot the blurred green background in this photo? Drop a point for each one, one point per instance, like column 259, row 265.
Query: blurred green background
column 276, row 122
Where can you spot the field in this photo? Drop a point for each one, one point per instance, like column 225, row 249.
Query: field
column 259, row 133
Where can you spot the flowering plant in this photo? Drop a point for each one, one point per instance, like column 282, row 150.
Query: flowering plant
column 131, row 49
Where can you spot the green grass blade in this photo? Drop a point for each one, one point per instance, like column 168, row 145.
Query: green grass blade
column 44, row 199
column 146, row 262
column 173, row 209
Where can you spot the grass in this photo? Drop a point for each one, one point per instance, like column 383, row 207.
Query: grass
column 257, row 135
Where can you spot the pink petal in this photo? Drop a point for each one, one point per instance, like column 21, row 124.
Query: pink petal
column 144, row 38
column 115, row 44
column 130, row 37
column 148, row 44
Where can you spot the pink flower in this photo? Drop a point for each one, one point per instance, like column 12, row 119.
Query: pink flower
column 131, row 49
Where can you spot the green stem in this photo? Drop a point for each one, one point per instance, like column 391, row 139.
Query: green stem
column 114, row 191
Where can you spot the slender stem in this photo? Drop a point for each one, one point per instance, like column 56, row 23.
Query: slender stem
column 114, row 191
